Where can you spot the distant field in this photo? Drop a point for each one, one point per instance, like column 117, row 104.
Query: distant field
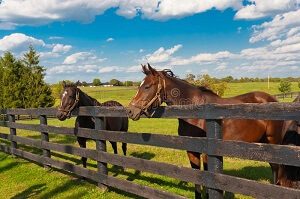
column 21, row 179
column 125, row 94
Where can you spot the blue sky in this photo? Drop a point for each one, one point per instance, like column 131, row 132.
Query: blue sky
column 110, row 38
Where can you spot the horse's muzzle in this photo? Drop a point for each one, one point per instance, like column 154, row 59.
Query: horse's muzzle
column 61, row 115
column 134, row 113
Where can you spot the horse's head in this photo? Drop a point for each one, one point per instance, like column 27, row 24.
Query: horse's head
column 69, row 101
column 150, row 94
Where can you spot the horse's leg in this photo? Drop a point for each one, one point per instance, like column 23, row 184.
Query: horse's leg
column 124, row 148
column 273, row 135
column 114, row 146
column 195, row 164
column 82, row 144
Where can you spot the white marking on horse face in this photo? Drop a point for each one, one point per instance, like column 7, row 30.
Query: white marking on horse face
column 139, row 89
column 142, row 83
column 63, row 96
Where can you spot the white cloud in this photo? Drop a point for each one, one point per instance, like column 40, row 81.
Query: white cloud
column 281, row 26
column 60, row 48
column 19, row 42
column 262, row 8
column 110, row 39
column 202, row 58
column 167, row 9
column 82, row 57
column 109, row 69
column 15, row 13
column 162, row 54
column 39, row 12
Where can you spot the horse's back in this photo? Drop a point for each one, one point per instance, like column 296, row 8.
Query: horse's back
column 116, row 123
column 254, row 97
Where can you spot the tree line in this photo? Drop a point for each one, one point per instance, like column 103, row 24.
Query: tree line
column 22, row 82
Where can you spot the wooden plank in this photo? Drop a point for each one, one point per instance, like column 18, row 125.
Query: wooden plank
column 139, row 190
column 166, row 141
column 44, row 137
column 280, row 154
column 124, row 185
column 4, row 136
column 27, row 141
column 12, row 132
column 5, row 148
column 3, row 123
column 219, row 181
column 224, row 182
column 270, row 111
column 214, row 163
column 101, row 146
column 29, row 156
column 289, row 155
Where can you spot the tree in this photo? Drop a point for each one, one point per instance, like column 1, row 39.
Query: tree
column 128, row 83
column 13, row 85
column 211, row 83
column 39, row 93
column 190, row 78
column 285, row 86
column 84, row 83
column 115, row 82
column 96, row 82
column 228, row 79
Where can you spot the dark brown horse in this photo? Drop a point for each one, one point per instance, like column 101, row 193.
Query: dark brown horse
column 289, row 176
column 72, row 97
column 162, row 86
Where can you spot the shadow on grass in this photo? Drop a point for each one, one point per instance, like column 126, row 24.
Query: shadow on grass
column 30, row 192
column 252, row 173
column 143, row 155
column 8, row 166
column 70, row 184
column 117, row 170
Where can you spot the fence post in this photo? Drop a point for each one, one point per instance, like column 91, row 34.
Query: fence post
column 13, row 131
column 45, row 138
column 101, row 146
column 215, row 163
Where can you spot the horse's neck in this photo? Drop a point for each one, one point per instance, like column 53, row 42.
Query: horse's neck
column 86, row 100
column 180, row 92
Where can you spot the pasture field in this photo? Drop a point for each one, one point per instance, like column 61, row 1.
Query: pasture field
column 125, row 94
column 22, row 179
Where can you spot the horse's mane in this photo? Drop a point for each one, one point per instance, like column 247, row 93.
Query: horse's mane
column 70, row 85
column 170, row 73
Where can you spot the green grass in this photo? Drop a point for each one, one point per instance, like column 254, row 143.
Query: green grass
column 22, row 179
column 44, row 181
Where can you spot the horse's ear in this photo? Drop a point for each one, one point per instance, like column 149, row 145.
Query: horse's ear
column 64, row 84
column 145, row 70
column 152, row 70
column 77, row 83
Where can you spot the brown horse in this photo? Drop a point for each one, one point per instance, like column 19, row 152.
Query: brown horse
column 162, row 86
column 289, row 176
column 72, row 97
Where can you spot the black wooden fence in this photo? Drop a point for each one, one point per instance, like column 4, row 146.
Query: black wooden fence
column 287, row 95
column 213, row 145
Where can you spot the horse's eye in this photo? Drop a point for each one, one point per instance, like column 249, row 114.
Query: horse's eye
column 147, row 86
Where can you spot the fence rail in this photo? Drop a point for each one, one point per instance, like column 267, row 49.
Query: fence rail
column 213, row 145
column 287, row 95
